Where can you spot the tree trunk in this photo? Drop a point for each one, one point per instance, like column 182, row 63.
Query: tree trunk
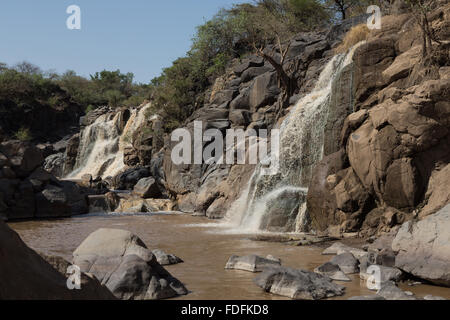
column 286, row 83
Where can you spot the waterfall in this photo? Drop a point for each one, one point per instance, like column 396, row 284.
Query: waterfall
column 102, row 143
column 278, row 202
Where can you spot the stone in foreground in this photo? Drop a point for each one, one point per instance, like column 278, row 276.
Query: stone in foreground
column 333, row 271
column 25, row 275
column 122, row 262
column 298, row 284
column 252, row 263
column 390, row 291
column 424, row 248
column 164, row 258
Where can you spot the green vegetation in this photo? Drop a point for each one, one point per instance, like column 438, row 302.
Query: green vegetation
column 263, row 27
column 230, row 34
column 25, row 90
column 24, row 134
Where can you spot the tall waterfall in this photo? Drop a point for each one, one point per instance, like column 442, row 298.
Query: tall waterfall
column 278, row 202
column 102, row 144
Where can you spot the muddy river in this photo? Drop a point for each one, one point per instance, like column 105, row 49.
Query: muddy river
column 204, row 245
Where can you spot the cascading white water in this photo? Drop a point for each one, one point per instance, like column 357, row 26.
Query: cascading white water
column 278, row 202
column 102, row 144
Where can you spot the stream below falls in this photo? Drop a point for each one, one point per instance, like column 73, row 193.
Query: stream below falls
column 204, row 245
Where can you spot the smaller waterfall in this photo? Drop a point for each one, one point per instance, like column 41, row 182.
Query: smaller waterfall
column 278, row 202
column 102, row 144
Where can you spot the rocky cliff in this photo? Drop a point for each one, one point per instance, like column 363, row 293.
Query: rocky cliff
column 392, row 155
column 375, row 157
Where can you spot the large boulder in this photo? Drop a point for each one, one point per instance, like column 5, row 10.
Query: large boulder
column 128, row 179
column 122, row 262
column 27, row 276
column 147, row 188
column 52, row 202
column 424, row 248
column 90, row 285
column 298, row 284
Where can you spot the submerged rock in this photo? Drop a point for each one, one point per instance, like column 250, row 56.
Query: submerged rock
column 331, row 270
column 252, row 263
column 390, row 291
column 165, row 259
column 122, row 262
column 298, row 284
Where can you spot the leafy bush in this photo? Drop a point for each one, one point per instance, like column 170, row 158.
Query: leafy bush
column 24, row 134
column 230, row 34
column 89, row 109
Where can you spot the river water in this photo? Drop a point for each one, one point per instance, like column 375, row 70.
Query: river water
column 204, row 245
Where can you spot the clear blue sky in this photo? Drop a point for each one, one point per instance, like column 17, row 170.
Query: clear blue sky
column 139, row 36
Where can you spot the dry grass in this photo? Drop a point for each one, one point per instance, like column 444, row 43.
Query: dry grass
column 356, row 34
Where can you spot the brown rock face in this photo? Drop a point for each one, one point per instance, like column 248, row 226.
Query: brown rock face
column 396, row 141
column 402, row 184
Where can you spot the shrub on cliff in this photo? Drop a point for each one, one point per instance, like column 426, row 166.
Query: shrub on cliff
column 356, row 34
column 230, row 34
column 24, row 134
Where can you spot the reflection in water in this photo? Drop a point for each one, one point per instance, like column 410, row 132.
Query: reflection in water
column 202, row 244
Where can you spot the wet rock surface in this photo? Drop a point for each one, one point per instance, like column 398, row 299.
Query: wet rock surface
column 298, row 284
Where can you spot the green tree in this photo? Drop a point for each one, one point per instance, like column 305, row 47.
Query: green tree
column 269, row 26
column 114, row 97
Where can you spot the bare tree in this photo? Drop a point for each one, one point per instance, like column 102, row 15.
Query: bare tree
column 420, row 10
column 28, row 68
